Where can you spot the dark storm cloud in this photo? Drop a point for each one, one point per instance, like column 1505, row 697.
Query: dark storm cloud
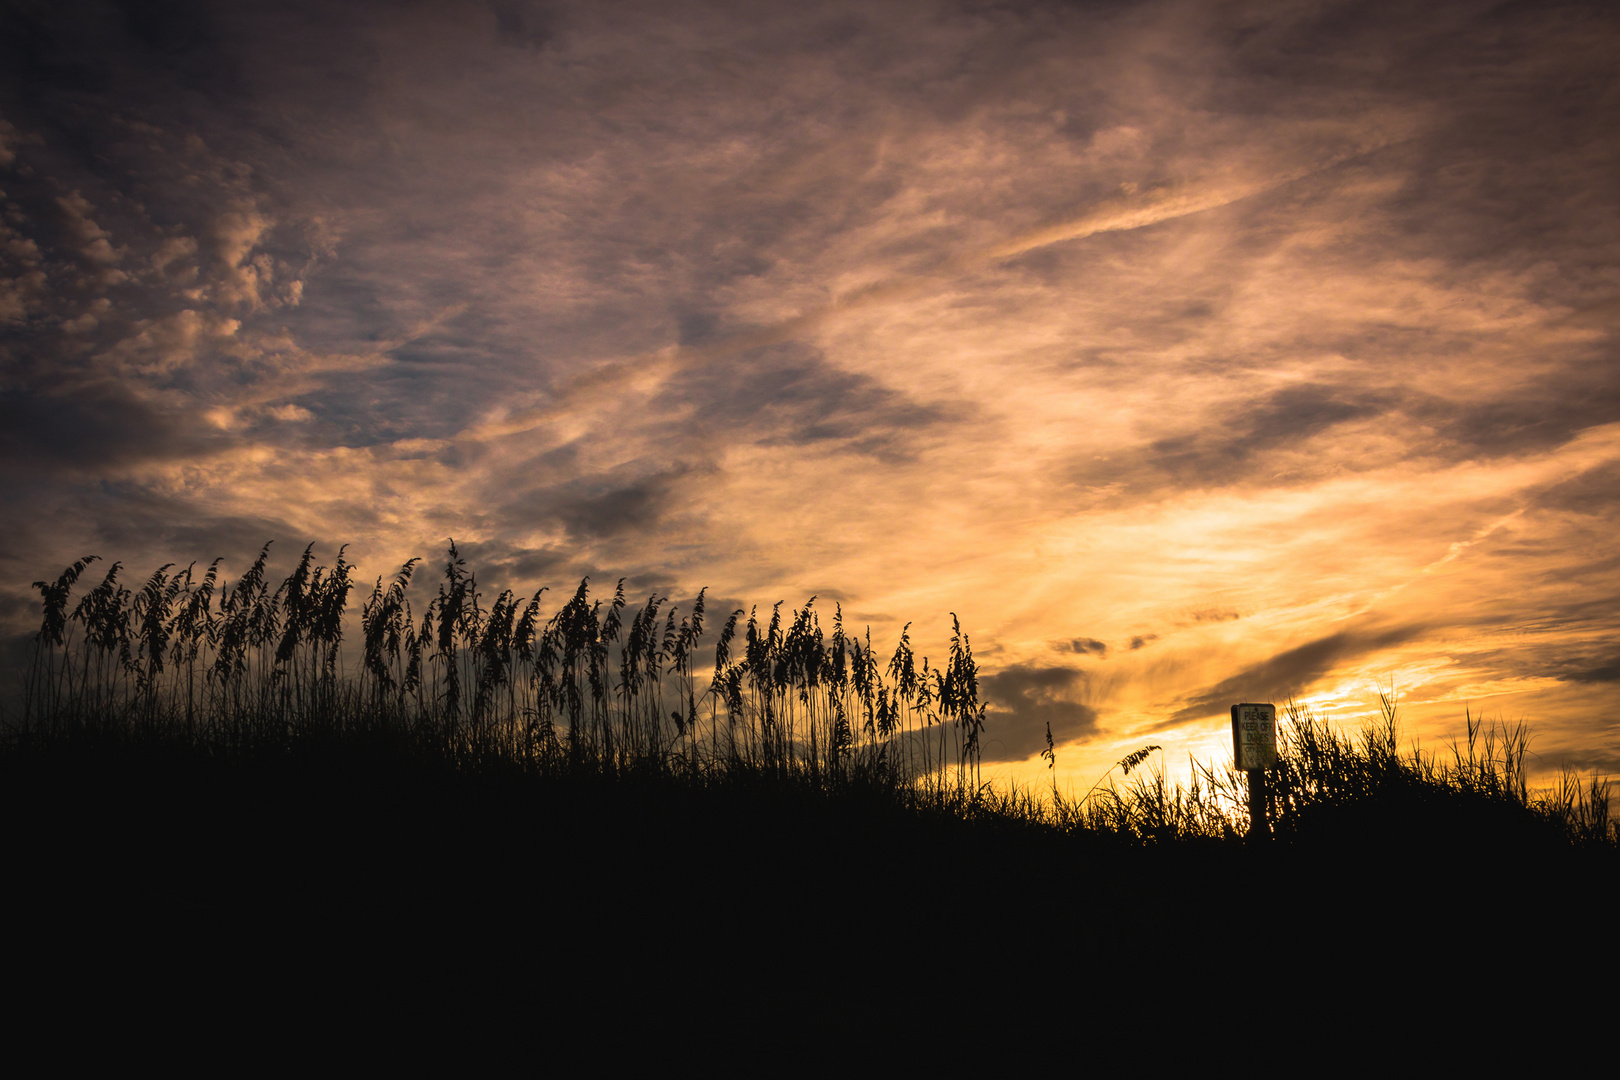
column 211, row 66
column 634, row 507
column 1083, row 646
column 1539, row 416
column 1607, row 672
column 1290, row 673
column 145, row 526
column 514, row 565
column 1243, row 442
column 1543, row 413
column 1282, row 419
column 1024, row 699
column 622, row 504
column 95, row 425
column 523, row 25
column 788, row 395
column 1592, row 492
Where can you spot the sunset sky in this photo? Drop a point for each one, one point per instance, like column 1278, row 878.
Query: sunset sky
column 1191, row 352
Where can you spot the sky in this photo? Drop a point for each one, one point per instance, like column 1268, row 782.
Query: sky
column 1190, row 352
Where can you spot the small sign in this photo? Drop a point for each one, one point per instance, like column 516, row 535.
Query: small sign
column 1254, row 735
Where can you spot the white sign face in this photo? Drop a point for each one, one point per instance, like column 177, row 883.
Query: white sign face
column 1254, row 735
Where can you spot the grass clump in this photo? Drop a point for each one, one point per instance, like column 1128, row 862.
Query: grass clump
column 610, row 687
column 1335, row 789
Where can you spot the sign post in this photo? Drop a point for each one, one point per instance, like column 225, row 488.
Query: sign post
column 1254, row 749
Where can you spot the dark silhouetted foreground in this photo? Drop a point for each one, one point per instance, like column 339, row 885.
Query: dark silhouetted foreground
column 503, row 812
